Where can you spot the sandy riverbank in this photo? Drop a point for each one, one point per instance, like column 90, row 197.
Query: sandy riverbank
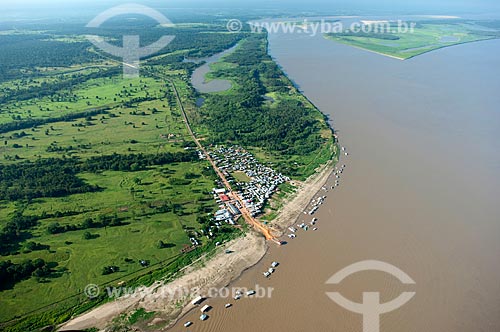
column 170, row 300
column 306, row 191
column 218, row 271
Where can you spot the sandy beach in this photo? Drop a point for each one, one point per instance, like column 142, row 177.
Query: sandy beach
column 300, row 200
column 170, row 300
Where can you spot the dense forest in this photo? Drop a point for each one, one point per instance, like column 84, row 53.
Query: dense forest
column 23, row 55
column 30, row 51
column 287, row 125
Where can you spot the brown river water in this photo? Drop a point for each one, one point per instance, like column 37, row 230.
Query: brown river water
column 421, row 191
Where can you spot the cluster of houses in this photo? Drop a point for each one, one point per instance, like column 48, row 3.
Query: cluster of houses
column 263, row 180
column 229, row 209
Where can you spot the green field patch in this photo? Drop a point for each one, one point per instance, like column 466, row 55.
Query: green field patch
column 241, row 177
column 150, row 127
column 92, row 94
column 137, row 198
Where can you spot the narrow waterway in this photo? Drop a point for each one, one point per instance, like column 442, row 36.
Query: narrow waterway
column 199, row 80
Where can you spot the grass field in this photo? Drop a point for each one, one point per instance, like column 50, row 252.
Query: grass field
column 151, row 125
column 425, row 38
column 109, row 91
column 134, row 197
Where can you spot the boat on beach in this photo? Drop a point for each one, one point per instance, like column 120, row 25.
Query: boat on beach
column 197, row 300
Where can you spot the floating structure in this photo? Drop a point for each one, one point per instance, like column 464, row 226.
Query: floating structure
column 197, row 300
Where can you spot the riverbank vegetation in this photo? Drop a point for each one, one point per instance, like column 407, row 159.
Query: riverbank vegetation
column 264, row 112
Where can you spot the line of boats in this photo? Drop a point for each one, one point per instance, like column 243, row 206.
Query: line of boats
column 204, row 310
column 238, row 295
column 271, row 270
column 304, row 226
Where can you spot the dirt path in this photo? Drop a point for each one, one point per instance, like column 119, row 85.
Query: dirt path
column 245, row 213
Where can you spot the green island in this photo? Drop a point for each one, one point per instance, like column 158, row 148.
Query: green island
column 101, row 181
column 427, row 36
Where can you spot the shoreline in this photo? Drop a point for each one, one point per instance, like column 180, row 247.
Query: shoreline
column 299, row 201
column 287, row 216
column 220, row 270
column 170, row 299
column 366, row 49
column 410, row 57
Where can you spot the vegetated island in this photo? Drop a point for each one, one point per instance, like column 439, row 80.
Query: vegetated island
column 426, row 37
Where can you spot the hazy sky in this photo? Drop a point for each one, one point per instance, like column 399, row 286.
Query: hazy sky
column 414, row 6
column 277, row 3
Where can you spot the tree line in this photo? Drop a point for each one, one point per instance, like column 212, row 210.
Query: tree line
column 55, row 177
column 32, row 123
